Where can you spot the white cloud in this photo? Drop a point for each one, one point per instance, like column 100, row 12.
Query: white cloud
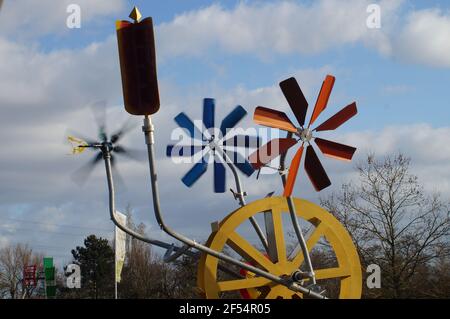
column 27, row 18
column 425, row 38
column 427, row 146
column 288, row 27
column 260, row 29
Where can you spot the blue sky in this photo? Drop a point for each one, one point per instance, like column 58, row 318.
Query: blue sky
column 394, row 91
column 235, row 51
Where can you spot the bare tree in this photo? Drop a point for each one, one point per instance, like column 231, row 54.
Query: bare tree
column 146, row 275
column 13, row 260
column 394, row 223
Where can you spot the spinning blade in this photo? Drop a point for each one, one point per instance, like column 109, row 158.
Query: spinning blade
column 99, row 110
column 274, row 119
column 195, row 173
column 232, row 119
column 335, row 150
column 208, row 113
column 266, row 153
column 185, row 122
column 82, row 174
column 219, row 176
column 322, row 99
column 79, row 145
column 137, row 155
column 293, row 170
column 315, row 170
column 338, row 119
column 241, row 163
column 127, row 126
column 295, row 98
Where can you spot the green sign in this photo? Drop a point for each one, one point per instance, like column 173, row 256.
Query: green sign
column 50, row 283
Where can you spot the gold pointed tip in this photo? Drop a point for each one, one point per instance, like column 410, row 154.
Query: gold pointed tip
column 135, row 14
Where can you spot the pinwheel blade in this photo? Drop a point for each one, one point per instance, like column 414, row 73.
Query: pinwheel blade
column 185, row 122
column 195, row 173
column 315, row 170
column 208, row 113
column 335, row 150
column 339, row 118
column 272, row 118
column 219, row 177
column 266, row 153
column 246, row 141
column 295, row 98
column 232, row 119
column 183, row 150
column 322, row 99
column 126, row 127
column 98, row 108
column 82, row 174
column 293, row 171
column 137, row 155
column 241, row 163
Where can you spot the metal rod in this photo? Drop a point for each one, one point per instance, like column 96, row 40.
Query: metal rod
column 112, row 209
column 293, row 214
column 301, row 239
column 148, row 130
column 282, row 168
column 177, row 251
column 241, row 195
column 115, row 263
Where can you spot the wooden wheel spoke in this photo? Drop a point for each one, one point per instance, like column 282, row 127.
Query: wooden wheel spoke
column 246, row 283
column 275, row 292
column 250, row 253
column 329, row 273
column 312, row 240
column 275, row 235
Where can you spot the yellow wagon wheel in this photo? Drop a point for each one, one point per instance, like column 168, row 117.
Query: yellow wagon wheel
column 325, row 230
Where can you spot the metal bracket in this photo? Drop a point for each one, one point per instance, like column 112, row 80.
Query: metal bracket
column 237, row 195
column 170, row 256
column 283, row 172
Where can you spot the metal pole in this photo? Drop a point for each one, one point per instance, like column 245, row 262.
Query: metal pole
column 240, row 194
column 115, row 263
column 112, row 209
column 177, row 251
column 292, row 213
column 148, row 130
column 301, row 239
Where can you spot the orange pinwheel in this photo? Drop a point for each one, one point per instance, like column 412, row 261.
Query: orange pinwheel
column 303, row 134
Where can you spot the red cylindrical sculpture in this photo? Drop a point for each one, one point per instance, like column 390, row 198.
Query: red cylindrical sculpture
column 138, row 66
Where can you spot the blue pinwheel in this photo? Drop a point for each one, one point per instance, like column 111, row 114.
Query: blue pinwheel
column 220, row 143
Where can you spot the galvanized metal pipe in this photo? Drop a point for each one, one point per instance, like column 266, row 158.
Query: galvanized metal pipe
column 241, row 196
column 301, row 239
column 295, row 224
column 112, row 210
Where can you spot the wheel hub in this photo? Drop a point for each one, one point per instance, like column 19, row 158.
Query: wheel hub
column 305, row 135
